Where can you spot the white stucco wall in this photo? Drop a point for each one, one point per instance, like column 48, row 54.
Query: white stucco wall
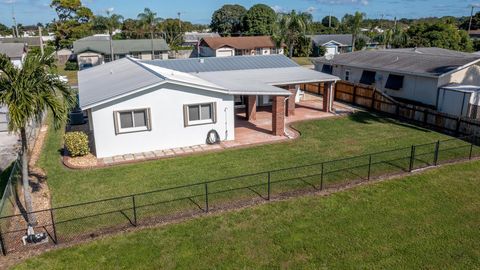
column 469, row 76
column 225, row 52
column 167, row 118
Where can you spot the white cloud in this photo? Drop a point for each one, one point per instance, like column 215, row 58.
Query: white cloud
column 344, row 2
column 278, row 9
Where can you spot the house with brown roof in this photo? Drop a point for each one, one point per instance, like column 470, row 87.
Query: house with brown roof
column 236, row 46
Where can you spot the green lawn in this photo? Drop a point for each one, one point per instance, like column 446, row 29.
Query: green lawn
column 320, row 141
column 424, row 221
column 303, row 61
column 72, row 75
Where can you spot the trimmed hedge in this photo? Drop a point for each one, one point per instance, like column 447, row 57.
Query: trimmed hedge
column 76, row 143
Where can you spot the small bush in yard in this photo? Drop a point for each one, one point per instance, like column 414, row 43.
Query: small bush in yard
column 77, row 143
column 70, row 65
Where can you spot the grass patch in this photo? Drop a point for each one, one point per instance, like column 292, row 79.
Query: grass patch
column 72, row 75
column 427, row 221
column 321, row 140
column 303, row 61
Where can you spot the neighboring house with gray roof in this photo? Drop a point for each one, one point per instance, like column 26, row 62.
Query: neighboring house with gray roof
column 337, row 43
column 95, row 50
column 415, row 75
column 136, row 106
column 16, row 52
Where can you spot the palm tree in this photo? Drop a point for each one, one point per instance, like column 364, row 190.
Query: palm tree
column 291, row 28
column 149, row 20
column 354, row 23
column 109, row 23
column 28, row 92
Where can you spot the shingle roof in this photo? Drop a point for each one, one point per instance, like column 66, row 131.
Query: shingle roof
column 30, row 41
column 12, row 50
column 241, row 43
column 344, row 39
column 431, row 62
column 119, row 46
column 195, row 37
column 210, row 64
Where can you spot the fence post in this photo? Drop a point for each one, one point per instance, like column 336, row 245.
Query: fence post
column 470, row 156
column 2, row 244
column 369, row 166
column 354, row 94
column 55, row 239
column 206, row 197
column 321, row 178
column 435, row 157
column 134, row 211
column 268, row 187
column 412, row 159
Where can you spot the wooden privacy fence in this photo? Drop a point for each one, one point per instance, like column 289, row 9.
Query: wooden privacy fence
column 368, row 97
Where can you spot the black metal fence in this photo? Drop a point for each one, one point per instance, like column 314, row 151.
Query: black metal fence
column 86, row 220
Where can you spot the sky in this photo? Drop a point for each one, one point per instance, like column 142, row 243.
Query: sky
column 200, row 11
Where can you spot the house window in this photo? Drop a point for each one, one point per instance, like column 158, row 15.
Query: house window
column 107, row 58
column 136, row 55
column 132, row 121
column 258, row 51
column 347, row 75
column 394, row 82
column 327, row 69
column 368, row 77
column 200, row 114
column 157, row 55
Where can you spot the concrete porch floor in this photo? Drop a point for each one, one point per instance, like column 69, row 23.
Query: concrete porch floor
column 246, row 134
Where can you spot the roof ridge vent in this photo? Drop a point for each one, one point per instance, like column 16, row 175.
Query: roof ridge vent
column 201, row 61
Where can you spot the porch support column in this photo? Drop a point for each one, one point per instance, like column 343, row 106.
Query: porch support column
column 278, row 115
column 252, row 108
column 291, row 100
column 328, row 96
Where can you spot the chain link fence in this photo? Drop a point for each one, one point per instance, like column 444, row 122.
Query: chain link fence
column 87, row 220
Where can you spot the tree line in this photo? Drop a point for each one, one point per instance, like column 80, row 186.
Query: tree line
column 290, row 28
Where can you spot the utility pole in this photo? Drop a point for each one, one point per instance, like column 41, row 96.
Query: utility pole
column 41, row 40
column 330, row 20
column 179, row 20
column 471, row 18
column 14, row 21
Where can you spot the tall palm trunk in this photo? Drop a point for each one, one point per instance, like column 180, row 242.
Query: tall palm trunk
column 354, row 38
column 111, row 47
column 290, row 50
column 26, row 185
column 153, row 49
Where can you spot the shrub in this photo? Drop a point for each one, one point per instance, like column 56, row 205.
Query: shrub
column 71, row 65
column 77, row 143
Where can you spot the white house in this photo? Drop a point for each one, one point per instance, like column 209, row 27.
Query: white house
column 237, row 46
column 416, row 75
column 336, row 43
column 16, row 52
column 138, row 106
column 95, row 50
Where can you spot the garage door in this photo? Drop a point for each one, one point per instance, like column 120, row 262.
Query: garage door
column 224, row 53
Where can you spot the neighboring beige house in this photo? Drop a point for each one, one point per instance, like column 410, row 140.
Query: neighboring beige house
column 236, row 46
column 431, row 77
column 95, row 50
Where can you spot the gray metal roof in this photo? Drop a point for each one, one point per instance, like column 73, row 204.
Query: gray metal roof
column 260, row 82
column 431, row 62
column 12, row 50
column 246, row 75
column 119, row 46
column 209, row 64
column 113, row 79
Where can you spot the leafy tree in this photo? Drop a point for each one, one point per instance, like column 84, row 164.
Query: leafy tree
column 149, row 20
column 4, row 30
column 110, row 23
column 440, row 35
column 228, row 20
column 74, row 22
column 394, row 37
column 132, row 29
column 28, row 92
column 330, row 21
column 475, row 22
column 174, row 29
column 292, row 28
column 259, row 20
column 353, row 23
